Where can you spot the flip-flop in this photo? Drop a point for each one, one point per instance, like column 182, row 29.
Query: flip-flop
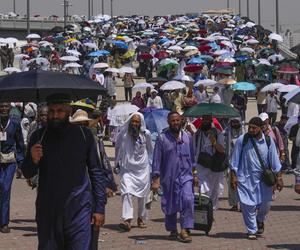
column 125, row 226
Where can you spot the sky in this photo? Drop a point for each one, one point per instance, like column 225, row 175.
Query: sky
column 289, row 9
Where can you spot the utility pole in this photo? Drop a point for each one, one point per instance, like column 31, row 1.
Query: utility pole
column 92, row 7
column 111, row 8
column 28, row 17
column 248, row 8
column 102, row 7
column 14, row 6
column 240, row 7
column 277, row 17
column 227, row 4
column 259, row 12
column 65, row 13
column 89, row 9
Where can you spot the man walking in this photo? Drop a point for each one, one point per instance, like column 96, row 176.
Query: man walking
column 133, row 153
column 246, row 175
column 71, row 190
column 172, row 170
column 11, row 154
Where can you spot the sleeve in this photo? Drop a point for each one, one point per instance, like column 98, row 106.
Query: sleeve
column 279, row 139
column 29, row 169
column 293, row 131
column 149, row 147
column 192, row 151
column 96, row 174
column 157, row 157
column 235, row 157
column 274, row 160
column 298, row 138
column 20, row 147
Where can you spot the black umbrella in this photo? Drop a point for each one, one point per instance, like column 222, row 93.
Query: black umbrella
column 36, row 85
column 143, row 48
column 57, row 29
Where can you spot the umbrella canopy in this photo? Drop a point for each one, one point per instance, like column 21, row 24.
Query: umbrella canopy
column 185, row 78
column 145, row 56
column 11, row 70
column 196, row 60
column 192, row 68
column 69, row 58
column 99, row 53
column 33, row 36
column 142, row 86
column 287, row 88
column 227, row 81
column 288, row 70
column 120, row 113
column 37, row 85
column 214, row 109
column 120, row 44
column 127, row 70
column 276, row 37
column 293, row 96
column 158, row 79
column 272, row 87
column 172, row 85
column 101, row 65
column 72, row 65
column 74, row 52
column 156, row 120
column 112, row 70
column 205, row 83
column 244, row 86
column 162, row 55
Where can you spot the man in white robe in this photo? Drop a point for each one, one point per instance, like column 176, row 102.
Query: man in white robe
column 133, row 153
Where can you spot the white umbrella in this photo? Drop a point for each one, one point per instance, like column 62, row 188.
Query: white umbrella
column 185, row 78
column 40, row 60
column 205, row 83
column 172, row 85
column 120, row 113
column 142, row 86
column 250, row 24
column 33, row 36
column 91, row 45
column 21, row 56
column 247, row 49
column 291, row 94
column 287, row 88
column 74, row 52
column 227, row 43
column 127, row 70
column 276, row 37
column 112, row 70
column 264, row 61
column 69, row 58
column 11, row 70
column 252, row 41
column 272, row 87
column 276, row 58
column 175, row 48
column 101, row 65
column 72, row 65
column 9, row 40
column 189, row 48
column 221, row 52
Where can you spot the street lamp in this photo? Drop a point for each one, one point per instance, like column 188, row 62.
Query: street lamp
column 258, row 9
column 65, row 13
column 240, row 7
column 89, row 9
column 102, row 7
column 277, row 17
column 111, row 8
column 28, row 17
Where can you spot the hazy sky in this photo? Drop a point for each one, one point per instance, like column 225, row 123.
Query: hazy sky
column 289, row 9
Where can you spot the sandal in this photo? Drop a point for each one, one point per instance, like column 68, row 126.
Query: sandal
column 173, row 235
column 184, row 237
column 234, row 208
column 125, row 226
column 141, row 224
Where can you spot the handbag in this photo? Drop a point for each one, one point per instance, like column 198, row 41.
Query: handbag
column 7, row 158
column 268, row 176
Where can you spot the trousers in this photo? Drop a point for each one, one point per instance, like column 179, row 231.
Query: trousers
column 6, row 178
column 252, row 214
column 127, row 207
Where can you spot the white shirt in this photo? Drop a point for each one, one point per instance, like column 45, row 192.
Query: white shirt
column 293, row 109
column 155, row 103
column 215, row 98
column 271, row 104
column 201, row 97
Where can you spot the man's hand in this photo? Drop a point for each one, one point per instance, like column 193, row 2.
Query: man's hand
column 155, row 185
column 279, row 184
column 109, row 192
column 36, row 153
column 98, row 221
column 196, row 181
column 233, row 180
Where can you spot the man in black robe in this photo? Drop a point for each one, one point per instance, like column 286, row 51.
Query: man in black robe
column 71, row 191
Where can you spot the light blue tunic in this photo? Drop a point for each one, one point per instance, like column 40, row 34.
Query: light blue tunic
column 251, row 189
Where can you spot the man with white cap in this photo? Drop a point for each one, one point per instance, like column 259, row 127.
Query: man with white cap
column 274, row 133
column 133, row 154
column 154, row 101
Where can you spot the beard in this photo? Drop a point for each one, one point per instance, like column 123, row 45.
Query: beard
column 205, row 126
column 57, row 124
column 175, row 129
column 134, row 131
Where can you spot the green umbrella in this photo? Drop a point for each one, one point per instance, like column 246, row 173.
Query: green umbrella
column 214, row 109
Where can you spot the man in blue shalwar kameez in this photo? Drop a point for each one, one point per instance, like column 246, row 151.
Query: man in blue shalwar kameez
column 246, row 171
column 172, row 169
column 71, row 190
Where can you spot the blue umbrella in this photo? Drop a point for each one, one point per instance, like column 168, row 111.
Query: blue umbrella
column 242, row 58
column 196, row 60
column 244, row 86
column 206, row 58
column 163, row 40
column 120, row 44
column 156, row 120
column 99, row 53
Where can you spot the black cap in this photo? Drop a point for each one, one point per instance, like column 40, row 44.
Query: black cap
column 256, row 121
column 58, row 98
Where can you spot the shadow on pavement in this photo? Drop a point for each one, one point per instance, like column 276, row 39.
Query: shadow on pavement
column 30, row 235
column 229, row 235
column 158, row 220
column 17, row 221
column 285, row 246
column 285, row 208
column 149, row 237
column 113, row 227
column 26, row 228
